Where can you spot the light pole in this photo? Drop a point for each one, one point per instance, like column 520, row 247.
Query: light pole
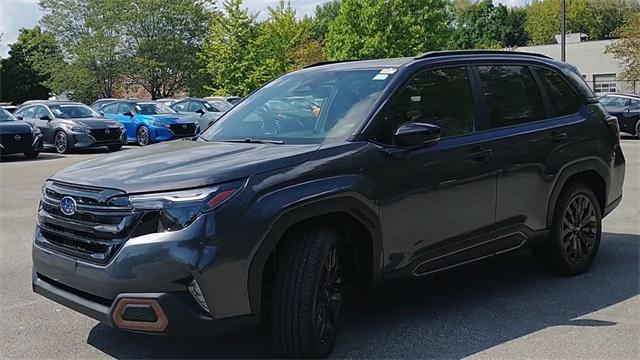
column 563, row 32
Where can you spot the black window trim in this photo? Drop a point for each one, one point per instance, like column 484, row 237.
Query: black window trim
column 379, row 113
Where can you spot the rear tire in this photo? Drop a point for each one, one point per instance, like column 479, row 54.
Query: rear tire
column 307, row 294
column 575, row 232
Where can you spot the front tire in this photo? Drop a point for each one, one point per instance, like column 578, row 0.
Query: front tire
column 307, row 294
column 638, row 129
column 575, row 232
column 61, row 142
column 142, row 136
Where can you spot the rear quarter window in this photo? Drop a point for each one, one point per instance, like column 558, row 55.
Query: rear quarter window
column 562, row 96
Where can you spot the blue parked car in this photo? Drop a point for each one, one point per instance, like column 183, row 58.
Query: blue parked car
column 150, row 121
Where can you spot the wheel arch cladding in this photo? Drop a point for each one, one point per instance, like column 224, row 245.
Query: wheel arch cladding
column 589, row 176
column 357, row 224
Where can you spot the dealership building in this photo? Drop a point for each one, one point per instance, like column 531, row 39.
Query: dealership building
column 600, row 70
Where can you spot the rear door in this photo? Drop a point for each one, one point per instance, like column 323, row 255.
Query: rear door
column 534, row 118
column 437, row 203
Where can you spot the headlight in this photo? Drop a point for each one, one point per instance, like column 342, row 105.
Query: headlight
column 179, row 209
column 78, row 128
column 35, row 130
column 159, row 124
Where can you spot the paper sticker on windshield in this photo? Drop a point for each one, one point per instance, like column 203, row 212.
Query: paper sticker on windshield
column 380, row 77
column 138, row 108
column 388, row 71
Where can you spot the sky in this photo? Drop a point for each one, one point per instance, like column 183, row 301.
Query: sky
column 17, row 14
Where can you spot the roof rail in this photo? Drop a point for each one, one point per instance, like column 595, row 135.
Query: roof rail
column 328, row 63
column 432, row 54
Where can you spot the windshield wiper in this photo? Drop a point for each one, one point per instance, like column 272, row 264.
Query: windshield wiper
column 254, row 141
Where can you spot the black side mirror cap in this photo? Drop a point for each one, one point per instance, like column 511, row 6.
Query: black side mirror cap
column 19, row 118
column 200, row 111
column 45, row 117
column 128, row 113
column 416, row 134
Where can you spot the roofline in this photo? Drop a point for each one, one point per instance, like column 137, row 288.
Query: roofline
column 433, row 54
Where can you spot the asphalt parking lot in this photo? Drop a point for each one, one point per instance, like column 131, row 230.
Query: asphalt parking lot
column 503, row 308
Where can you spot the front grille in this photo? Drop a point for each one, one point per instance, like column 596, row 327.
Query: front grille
column 101, row 135
column 102, row 221
column 183, row 129
column 10, row 143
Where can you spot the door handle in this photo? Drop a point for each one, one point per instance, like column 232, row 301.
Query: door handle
column 558, row 137
column 481, row 155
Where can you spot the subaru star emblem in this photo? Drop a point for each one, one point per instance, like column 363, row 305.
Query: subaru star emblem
column 17, row 137
column 107, row 131
column 68, row 205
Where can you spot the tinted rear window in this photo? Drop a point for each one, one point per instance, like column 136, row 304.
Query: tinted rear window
column 511, row 95
column 562, row 96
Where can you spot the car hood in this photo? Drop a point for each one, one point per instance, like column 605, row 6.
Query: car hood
column 171, row 118
column 93, row 123
column 14, row 127
column 182, row 164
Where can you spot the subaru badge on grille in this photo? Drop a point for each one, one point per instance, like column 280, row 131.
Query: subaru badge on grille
column 68, row 205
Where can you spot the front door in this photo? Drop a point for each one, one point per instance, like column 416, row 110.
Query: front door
column 43, row 124
column 437, row 203
column 127, row 120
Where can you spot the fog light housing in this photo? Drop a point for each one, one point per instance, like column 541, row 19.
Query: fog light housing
column 196, row 292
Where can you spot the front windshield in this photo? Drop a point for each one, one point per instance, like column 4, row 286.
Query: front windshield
column 74, row 111
column 5, row 115
column 303, row 107
column 153, row 108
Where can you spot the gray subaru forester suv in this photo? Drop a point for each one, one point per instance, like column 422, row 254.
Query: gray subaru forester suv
column 402, row 167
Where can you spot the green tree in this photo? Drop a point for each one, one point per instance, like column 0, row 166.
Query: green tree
column 230, row 50
column 323, row 15
column 388, row 28
column 90, row 34
column 484, row 25
column 627, row 49
column 162, row 38
column 596, row 18
column 21, row 73
column 280, row 35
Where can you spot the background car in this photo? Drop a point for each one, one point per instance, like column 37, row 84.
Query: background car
column 150, row 121
column 207, row 112
column 230, row 100
column 100, row 102
column 8, row 106
column 69, row 125
column 18, row 137
column 168, row 101
column 627, row 109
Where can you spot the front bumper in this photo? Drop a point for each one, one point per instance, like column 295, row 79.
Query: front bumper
column 158, row 134
column 35, row 144
column 159, row 266
column 83, row 140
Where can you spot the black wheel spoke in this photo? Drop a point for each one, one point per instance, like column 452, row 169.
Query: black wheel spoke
column 579, row 228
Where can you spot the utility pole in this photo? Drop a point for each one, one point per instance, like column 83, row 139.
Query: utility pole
column 563, row 32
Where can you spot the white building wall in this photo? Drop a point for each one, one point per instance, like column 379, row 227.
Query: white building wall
column 593, row 63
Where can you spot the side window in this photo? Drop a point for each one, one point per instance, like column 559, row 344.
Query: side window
column 440, row 97
column 29, row 112
column 41, row 111
column 110, row 109
column 562, row 96
column 181, row 106
column 125, row 107
column 194, row 106
column 511, row 95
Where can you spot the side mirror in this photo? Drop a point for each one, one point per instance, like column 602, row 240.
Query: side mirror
column 101, row 113
column 19, row 117
column 45, row 117
column 128, row 113
column 200, row 111
column 413, row 135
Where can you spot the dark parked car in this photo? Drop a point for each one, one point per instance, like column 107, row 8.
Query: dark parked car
column 150, row 121
column 411, row 167
column 101, row 102
column 18, row 137
column 627, row 109
column 72, row 125
column 206, row 112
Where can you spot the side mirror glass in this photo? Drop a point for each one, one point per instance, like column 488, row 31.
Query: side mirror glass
column 416, row 134
column 128, row 113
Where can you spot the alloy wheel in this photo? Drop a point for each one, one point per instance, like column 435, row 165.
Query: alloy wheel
column 60, row 142
column 328, row 297
column 143, row 136
column 579, row 229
